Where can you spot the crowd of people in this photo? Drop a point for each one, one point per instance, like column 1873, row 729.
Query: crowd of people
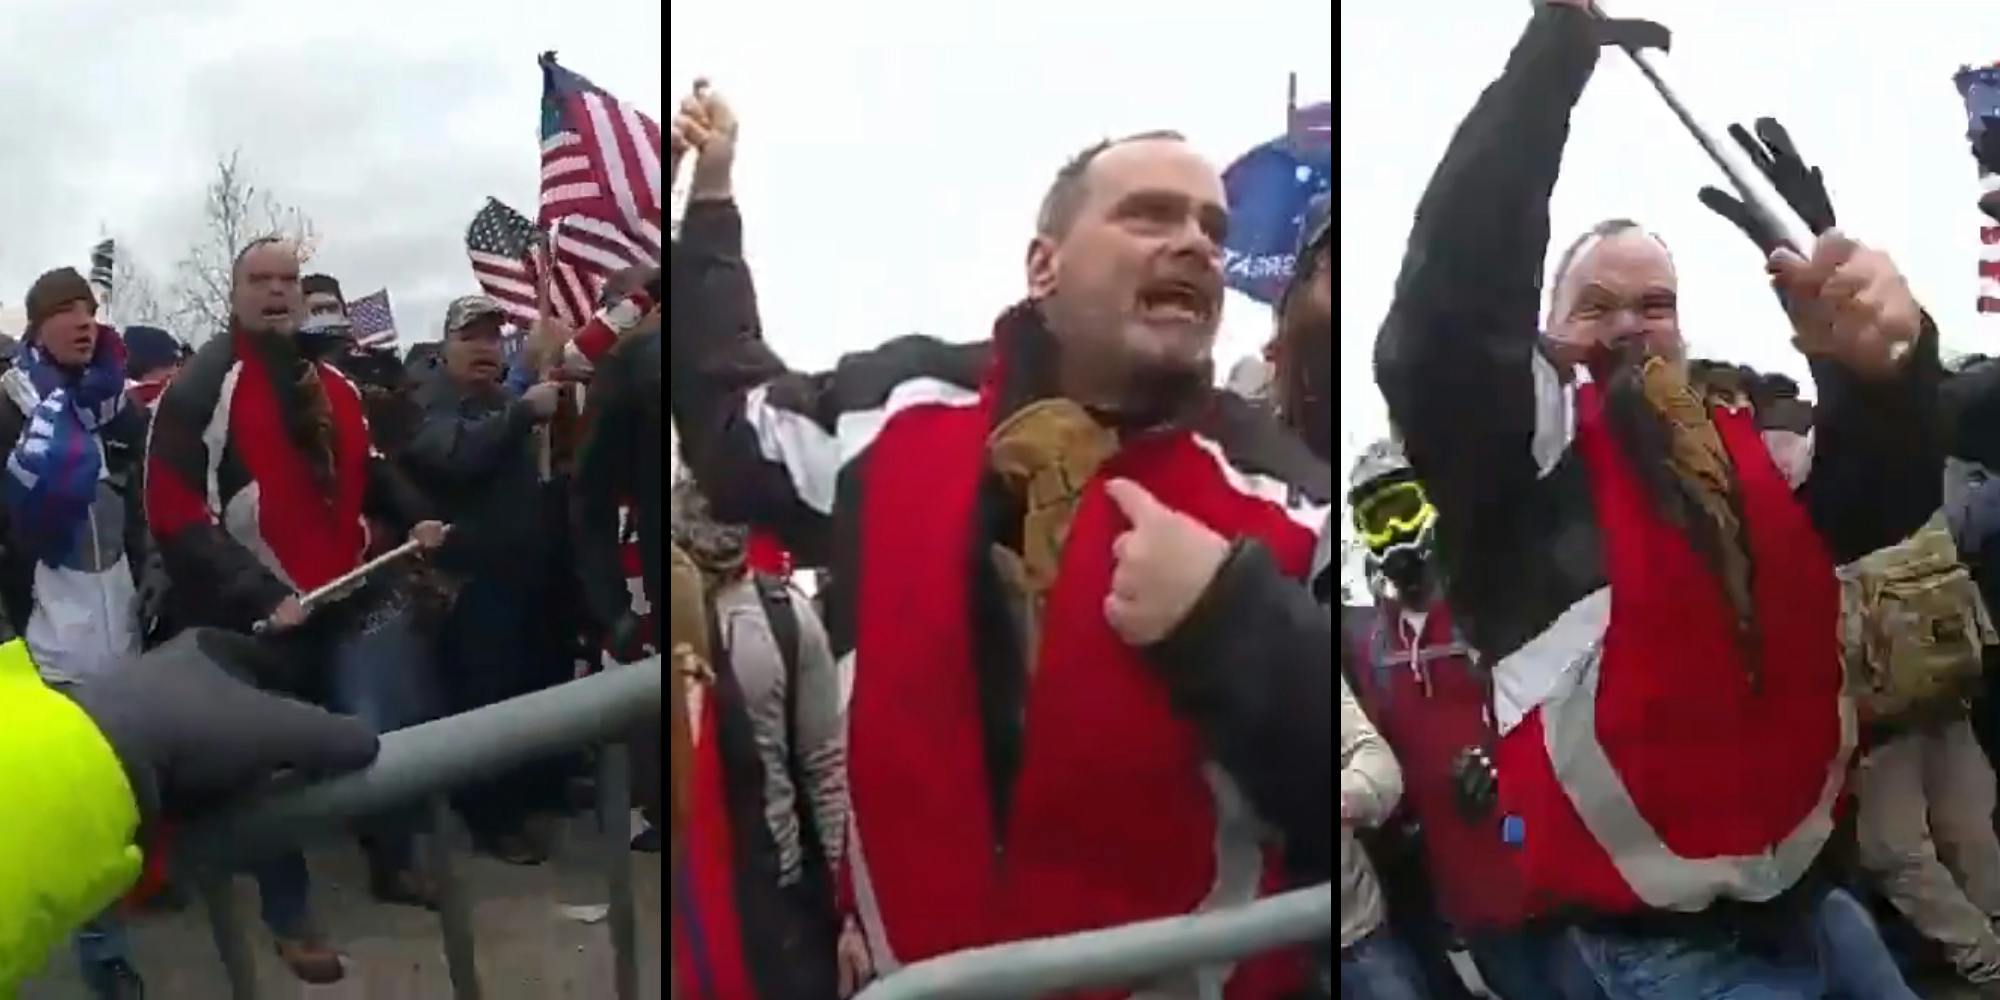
column 168, row 511
column 1675, row 682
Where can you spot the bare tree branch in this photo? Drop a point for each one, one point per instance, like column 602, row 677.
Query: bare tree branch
column 236, row 213
column 134, row 297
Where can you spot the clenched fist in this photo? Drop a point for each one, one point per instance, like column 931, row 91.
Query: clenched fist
column 1163, row 565
column 706, row 125
column 1848, row 303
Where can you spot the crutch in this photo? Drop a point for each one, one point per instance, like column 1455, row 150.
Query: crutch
column 345, row 584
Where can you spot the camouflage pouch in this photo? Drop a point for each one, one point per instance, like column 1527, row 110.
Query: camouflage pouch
column 1913, row 627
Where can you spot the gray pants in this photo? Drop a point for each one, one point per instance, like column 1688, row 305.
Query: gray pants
column 1926, row 836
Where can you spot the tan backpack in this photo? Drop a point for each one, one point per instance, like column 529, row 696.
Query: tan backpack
column 1913, row 627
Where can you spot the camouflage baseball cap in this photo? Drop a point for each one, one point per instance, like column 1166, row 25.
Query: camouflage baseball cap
column 467, row 309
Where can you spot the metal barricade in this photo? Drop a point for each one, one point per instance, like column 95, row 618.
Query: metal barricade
column 423, row 762
column 1129, row 956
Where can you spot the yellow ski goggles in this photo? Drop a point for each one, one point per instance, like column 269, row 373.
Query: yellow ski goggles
column 1395, row 513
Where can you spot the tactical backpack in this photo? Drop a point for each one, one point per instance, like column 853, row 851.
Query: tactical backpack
column 1913, row 627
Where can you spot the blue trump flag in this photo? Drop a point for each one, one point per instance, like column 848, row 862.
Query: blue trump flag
column 1270, row 189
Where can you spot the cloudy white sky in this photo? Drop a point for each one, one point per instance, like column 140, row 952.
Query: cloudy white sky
column 894, row 152
column 387, row 121
column 1865, row 89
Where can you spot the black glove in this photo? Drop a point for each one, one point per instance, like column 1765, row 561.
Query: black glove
column 1802, row 186
column 1477, row 783
column 192, row 735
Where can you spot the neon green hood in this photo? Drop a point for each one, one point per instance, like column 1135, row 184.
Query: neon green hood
column 67, row 819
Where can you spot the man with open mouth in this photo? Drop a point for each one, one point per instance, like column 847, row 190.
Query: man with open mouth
column 968, row 499
column 1656, row 599
column 262, row 484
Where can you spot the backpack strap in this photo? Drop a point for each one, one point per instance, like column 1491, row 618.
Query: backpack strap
column 776, row 598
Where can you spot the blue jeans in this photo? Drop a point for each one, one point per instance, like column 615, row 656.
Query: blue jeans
column 1378, row 968
column 1527, row 963
column 384, row 677
column 283, row 891
column 1835, row 952
column 102, row 940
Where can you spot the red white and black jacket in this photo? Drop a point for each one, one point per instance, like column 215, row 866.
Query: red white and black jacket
column 233, row 505
column 986, row 808
column 1649, row 771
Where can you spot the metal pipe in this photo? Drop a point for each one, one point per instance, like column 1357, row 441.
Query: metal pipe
column 454, row 909
column 1756, row 190
column 1118, row 957
column 341, row 585
column 614, row 811
column 232, row 941
column 430, row 758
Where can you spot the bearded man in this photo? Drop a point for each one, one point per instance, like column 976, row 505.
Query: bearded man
column 1656, row 600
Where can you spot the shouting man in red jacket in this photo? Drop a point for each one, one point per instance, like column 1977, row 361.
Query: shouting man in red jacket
column 1017, row 767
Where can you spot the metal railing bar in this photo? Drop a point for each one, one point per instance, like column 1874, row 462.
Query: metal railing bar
column 1119, row 956
column 454, row 909
column 614, row 811
column 232, row 941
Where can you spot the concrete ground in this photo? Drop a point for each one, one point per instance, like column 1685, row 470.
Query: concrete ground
column 528, row 946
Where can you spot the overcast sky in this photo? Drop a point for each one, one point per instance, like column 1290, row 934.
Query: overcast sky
column 1865, row 89
column 893, row 153
column 387, row 121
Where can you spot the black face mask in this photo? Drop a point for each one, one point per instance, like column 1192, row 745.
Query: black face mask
column 1407, row 568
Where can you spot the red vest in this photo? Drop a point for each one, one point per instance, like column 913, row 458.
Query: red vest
column 1116, row 816
column 1430, row 701
column 1655, row 774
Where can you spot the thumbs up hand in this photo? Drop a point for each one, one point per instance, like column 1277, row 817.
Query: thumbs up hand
column 1164, row 563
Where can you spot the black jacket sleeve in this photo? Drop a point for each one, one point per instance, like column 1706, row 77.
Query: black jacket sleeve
column 724, row 380
column 1878, row 453
column 1969, row 413
column 1252, row 667
column 1455, row 356
column 604, row 465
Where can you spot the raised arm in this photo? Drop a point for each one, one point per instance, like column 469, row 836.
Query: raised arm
column 1457, row 357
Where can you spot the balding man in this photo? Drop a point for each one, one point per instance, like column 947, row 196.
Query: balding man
column 259, row 471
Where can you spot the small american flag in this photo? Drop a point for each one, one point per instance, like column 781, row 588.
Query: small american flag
column 373, row 320
column 1980, row 87
column 502, row 246
column 600, row 173
column 101, row 259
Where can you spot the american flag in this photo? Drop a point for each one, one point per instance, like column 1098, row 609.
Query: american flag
column 502, row 245
column 600, row 174
column 101, row 258
column 373, row 321
column 1981, row 89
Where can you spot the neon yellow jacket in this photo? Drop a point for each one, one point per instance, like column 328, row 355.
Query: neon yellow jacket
column 68, row 819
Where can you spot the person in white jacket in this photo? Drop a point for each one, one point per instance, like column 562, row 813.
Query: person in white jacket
column 1373, row 964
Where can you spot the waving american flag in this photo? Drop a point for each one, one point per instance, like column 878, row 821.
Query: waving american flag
column 601, row 188
column 502, row 245
column 1980, row 86
column 373, row 320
